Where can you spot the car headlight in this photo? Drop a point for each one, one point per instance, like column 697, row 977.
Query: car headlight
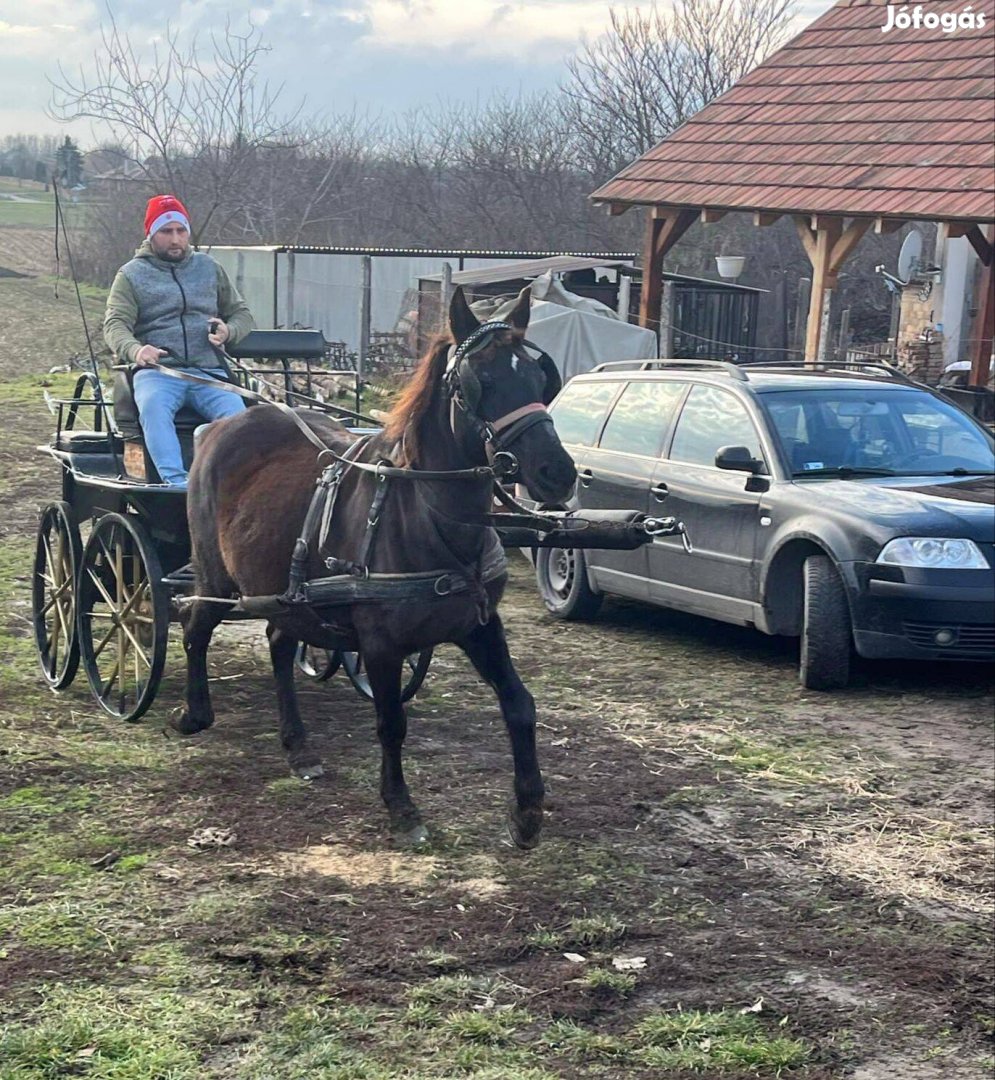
column 933, row 552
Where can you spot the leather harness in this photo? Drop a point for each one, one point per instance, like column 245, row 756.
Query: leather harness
column 353, row 582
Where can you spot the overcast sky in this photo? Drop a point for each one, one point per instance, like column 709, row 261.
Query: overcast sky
column 385, row 55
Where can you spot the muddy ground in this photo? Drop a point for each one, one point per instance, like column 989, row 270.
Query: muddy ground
column 737, row 876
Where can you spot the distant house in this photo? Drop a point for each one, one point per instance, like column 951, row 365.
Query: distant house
column 111, row 165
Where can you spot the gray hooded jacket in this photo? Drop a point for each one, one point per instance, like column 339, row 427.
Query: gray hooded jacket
column 169, row 304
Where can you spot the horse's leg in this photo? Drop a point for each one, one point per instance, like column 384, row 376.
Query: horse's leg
column 199, row 622
column 383, row 669
column 282, row 649
column 487, row 649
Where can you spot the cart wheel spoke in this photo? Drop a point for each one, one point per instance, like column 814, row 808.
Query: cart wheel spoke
column 53, row 594
column 124, row 616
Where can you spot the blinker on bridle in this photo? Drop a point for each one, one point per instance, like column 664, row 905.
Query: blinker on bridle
column 464, row 391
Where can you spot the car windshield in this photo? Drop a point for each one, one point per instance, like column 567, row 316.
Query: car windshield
column 876, row 430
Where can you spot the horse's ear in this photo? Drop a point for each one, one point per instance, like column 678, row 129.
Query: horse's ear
column 519, row 315
column 462, row 321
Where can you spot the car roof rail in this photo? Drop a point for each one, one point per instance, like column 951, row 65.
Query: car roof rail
column 675, row 364
column 846, row 367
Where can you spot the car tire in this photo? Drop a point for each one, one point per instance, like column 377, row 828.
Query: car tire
column 827, row 633
column 561, row 574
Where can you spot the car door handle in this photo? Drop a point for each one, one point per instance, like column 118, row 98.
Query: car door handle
column 585, row 476
column 659, row 492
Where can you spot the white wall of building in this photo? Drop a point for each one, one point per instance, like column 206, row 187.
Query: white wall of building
column 957, row 282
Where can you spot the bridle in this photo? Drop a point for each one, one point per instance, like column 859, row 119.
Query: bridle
column 464, row 391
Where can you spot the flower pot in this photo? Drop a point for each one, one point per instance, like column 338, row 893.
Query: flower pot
column 729, row 266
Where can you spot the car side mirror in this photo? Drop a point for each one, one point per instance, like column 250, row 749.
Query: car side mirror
column 738, row 459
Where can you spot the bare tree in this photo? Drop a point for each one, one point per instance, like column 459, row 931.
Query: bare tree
column 495, row 175
column 653, row 70
column 191, row 125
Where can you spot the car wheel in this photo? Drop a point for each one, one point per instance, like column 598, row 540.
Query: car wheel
column 562, row 578
column 827, row 635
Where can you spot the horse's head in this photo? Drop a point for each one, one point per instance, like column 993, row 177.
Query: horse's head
column 499, row 393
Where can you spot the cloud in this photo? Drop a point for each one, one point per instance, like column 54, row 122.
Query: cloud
column 479, row 28
column 385, row 55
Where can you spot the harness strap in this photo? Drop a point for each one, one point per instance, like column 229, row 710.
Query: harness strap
column 517, row 414
column 332, row 479
column 249, row 395
column 396, row 472
column 373, row 522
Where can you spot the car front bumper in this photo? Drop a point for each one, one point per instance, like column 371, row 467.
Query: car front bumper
column 905, row 613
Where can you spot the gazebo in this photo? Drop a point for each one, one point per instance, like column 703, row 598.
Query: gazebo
column 846, row 128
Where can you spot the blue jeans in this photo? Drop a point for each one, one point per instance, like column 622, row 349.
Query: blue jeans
column 160, row 397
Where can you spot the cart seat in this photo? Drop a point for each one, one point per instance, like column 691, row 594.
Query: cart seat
column 126, row 411
column 87, row 442
column 138, row 463
column 280, row 345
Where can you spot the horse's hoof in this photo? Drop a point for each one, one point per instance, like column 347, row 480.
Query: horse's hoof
column 183, row 723
column 415, row 837
column 525, row 827
column 309, row 772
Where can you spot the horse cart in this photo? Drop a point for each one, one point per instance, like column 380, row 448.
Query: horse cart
column 112, row 559
column 386, row 544
column 112, row 565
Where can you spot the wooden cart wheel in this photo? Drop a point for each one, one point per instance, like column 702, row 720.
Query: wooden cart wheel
column 53, row 594
column 122, row 616
column 315, row 663
column 416, row 667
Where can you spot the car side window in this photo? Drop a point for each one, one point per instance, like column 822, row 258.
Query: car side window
column 580, row 410
column 639, row 422
column 712, row 418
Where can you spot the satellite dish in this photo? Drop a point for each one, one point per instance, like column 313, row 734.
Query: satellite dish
column 908, row 257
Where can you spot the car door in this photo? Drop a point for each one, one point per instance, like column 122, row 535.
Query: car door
column 722, row 516
column 618, row 472
column 579, row 415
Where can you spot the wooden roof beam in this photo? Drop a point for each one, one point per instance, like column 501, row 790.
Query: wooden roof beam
column 762, row 218
column 617, row 209
column 850, row 238
column 885, row 225
column 975, row 237
column 806, row 235
column 709, row 217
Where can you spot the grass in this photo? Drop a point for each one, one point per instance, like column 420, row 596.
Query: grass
column 606, row 980
column 136, row 1034
column 596, row 931
column 732, row 1041
column 37, row 212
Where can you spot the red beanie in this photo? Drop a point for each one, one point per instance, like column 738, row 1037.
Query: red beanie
column 162, row 210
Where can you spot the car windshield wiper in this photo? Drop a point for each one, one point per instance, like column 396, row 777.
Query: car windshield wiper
column 847, row 470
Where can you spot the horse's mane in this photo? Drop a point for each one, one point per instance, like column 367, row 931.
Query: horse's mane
column 402, row 425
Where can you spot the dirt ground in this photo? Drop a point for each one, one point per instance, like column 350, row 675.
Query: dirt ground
column 737, row 877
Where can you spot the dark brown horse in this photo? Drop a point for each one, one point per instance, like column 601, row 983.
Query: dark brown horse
column 249, row 492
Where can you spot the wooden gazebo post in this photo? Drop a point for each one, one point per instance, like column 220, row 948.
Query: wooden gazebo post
column 984, row 335
column 665, row 225
column 827, row 244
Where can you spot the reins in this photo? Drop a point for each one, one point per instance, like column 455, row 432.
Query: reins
column 495, row 434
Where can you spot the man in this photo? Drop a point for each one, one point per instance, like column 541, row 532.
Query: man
column 173, row 307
